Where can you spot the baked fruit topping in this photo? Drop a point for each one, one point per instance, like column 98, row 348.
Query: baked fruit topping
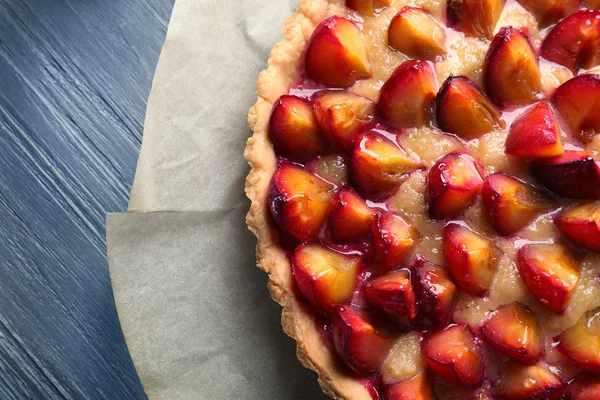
column 294, row 130
column 512, row 74
column 378, row 166
column 393, row 294
column 472, row 259
column 454, row 355
column 350, row 218
column 548, row 12
column 514, row 331
column 299, row 201
column 464, row 110
column 475, row 17
column 414, row 32
column 453, row 184
column 342, row 116
column 529, row 382
column 442, row 237
column 581, row 342
column 535, row 134
column 337, row 55
column 577, row 101
column 325, row 277
column 394, row 240
column 550, row 273
column 511, row 204
column 574, row 42
column 357, row 342
column 581, row 225
column 436, row 292
column 407, row 98
column 575, row 174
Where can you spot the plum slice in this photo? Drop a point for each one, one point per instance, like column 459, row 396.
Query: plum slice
column 529, row 382
column 342, row 116
column 453, row 184
column 550, row 273
column 436, row 292
column 581, row 225
column 299, row 201
column 575, row 174
column 511, row 204
column 581, row 342
column 414, row 32
column 547, row 12
column 464, row 110
column 578, row 101
column 379, row 166
column 357, row 342
column 474, row 17
column 575, row 41
column 337, row 55
column 514, row 331
column 294, row 130
column 535, row 134
column 325, row 277
column 407, row 97
column 394, row 240
column 350, row 218
column 512, row 73
column 393, row 294
column 472, row 259
column 454, row 355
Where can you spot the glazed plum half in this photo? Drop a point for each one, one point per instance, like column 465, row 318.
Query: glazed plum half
column 453, row 183
column 581, row 342
column 299, row 201
column 358, row 342
column 379, row 166
column 337, row 55
column 325, row 277
column 472, row 258
column 581, row 225
column 550, row 272
column 454, row 355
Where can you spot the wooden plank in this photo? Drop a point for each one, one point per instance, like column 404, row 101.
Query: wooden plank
column 74, row 81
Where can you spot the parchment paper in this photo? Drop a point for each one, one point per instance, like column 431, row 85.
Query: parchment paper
column 195, row 311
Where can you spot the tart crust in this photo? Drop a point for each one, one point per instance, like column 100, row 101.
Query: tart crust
column 297, row 321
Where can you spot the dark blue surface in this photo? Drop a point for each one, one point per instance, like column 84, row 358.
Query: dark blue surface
column 74, row 79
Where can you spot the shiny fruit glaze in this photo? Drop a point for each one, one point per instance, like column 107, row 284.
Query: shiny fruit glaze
column 437, row 191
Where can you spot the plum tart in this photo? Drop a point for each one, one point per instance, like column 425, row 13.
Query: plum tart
column 425, row 190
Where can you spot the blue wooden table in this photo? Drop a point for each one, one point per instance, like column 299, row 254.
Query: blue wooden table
column 74, row 79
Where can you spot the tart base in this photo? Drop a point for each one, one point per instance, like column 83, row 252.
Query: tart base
column 297, row 321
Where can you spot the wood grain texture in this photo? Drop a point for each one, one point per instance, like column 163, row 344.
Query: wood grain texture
column 74, row 79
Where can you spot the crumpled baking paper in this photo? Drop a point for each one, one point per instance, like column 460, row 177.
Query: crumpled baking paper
column 195, row 310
